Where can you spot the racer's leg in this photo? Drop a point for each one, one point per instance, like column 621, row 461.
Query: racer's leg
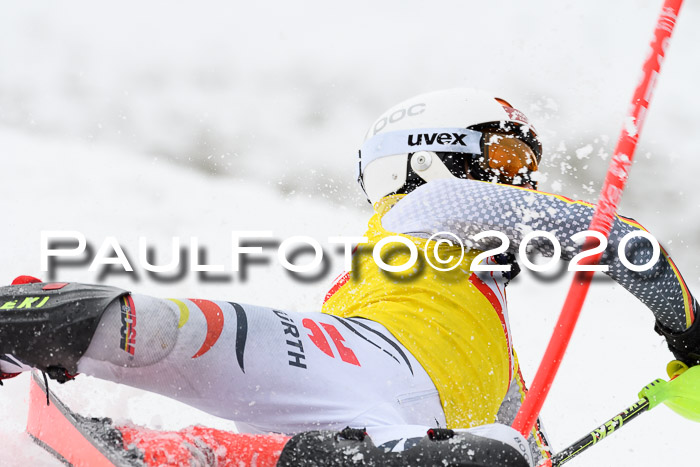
column 273, row 370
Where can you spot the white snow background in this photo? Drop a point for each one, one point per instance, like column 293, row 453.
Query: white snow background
column 197, row 119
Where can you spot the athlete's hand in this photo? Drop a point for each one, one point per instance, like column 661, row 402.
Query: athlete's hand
column 684, row 346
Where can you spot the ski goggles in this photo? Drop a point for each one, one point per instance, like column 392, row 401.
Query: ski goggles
column 504, row 158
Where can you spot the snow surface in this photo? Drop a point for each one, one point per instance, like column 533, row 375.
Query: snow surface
column 198, row 119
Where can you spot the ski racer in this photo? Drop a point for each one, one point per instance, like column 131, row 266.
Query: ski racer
column 394, row 353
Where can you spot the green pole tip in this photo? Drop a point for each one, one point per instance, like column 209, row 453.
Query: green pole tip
column 655, row 392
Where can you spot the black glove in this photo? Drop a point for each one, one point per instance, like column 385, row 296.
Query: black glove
column 686, row 345
column 508, row 258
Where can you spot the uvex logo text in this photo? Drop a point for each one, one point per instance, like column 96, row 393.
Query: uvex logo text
column 439, row 138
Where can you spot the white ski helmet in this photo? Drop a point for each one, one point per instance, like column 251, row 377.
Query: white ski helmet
column 455, row 133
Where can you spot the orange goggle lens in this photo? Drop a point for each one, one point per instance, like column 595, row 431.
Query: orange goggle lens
column 507, row 157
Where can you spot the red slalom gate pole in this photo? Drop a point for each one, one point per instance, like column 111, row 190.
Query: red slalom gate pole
column 603, row 219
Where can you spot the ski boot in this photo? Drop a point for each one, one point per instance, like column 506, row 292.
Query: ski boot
column 441, row 447
column 49, row 326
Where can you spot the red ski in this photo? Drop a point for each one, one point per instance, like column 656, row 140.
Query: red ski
column 97, row 442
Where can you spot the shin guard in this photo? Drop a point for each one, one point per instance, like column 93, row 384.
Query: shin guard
column 50, row 325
